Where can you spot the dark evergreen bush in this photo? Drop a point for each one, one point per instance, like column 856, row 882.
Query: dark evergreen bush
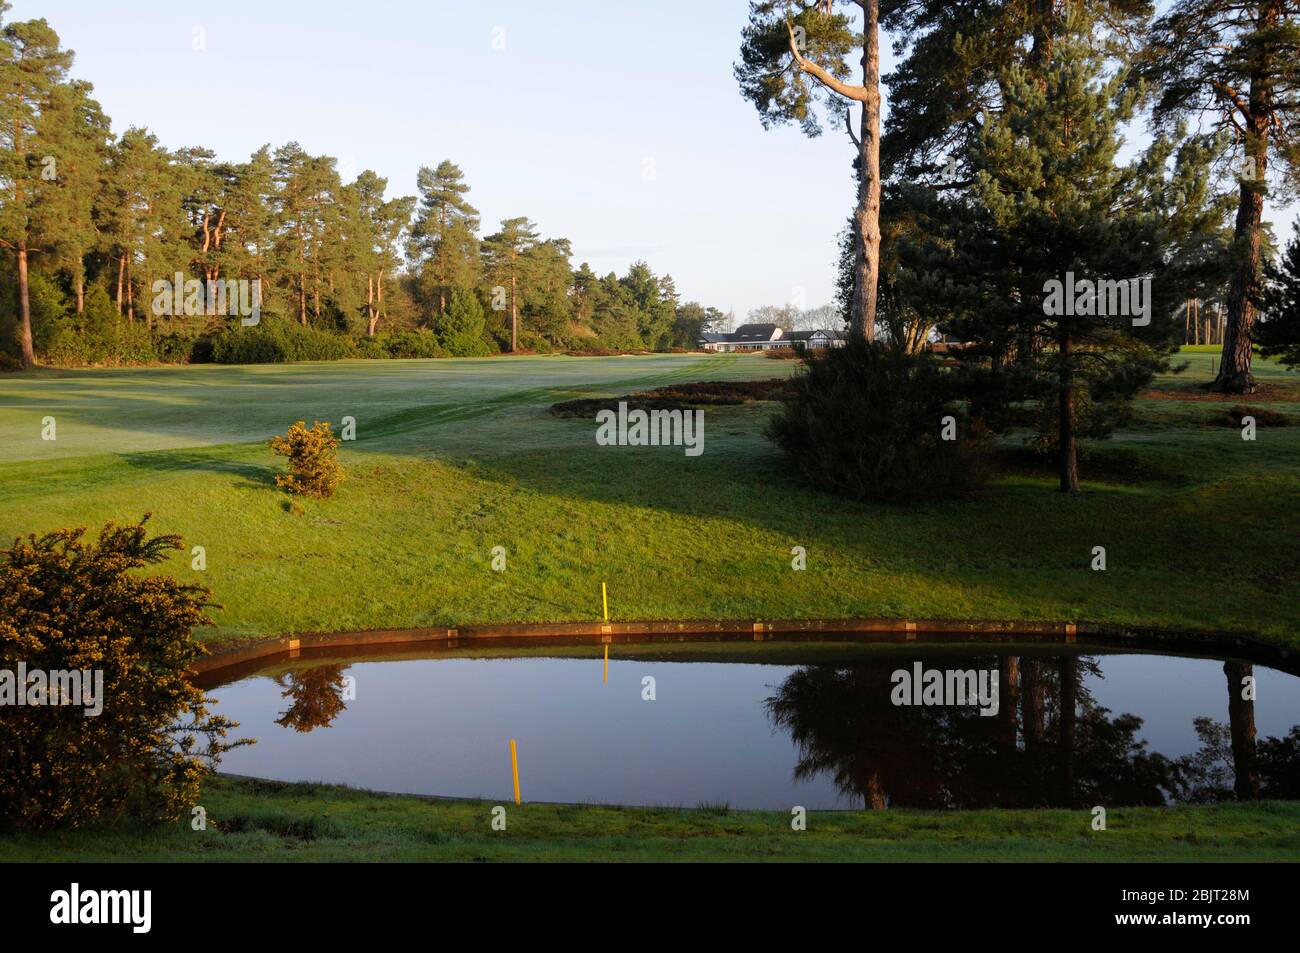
column 867, row 421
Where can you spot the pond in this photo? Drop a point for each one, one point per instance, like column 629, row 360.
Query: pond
column 825, row 725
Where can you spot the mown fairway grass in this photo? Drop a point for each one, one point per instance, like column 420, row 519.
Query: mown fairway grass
column 454, row 457
column 251, row 820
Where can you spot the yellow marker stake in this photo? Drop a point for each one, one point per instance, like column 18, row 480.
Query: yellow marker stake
column 514, row 766
column 604, row 600
column 606, row 676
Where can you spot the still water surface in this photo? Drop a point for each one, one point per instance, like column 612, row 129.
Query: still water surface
column 756, row 735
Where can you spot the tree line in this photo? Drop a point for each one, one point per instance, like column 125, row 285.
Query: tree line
column 92, row 221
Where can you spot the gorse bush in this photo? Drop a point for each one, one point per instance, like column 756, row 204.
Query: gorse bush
column 71, row 606
column 866, row 421
column 313, row 460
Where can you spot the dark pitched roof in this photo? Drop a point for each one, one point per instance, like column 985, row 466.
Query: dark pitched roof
column 754, row 332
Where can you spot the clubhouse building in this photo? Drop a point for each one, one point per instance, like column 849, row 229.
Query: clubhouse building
column 769, row 337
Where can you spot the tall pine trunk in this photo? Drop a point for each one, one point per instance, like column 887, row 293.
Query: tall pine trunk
column 1235, row 374
column 371, row 313
column 862, row 319
column 514, row 316
column 25, row 307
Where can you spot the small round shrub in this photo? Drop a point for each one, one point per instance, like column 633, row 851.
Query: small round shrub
column 313, row 460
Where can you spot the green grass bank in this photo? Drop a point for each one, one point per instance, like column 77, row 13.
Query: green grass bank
column 455, row 457
column 252, row 821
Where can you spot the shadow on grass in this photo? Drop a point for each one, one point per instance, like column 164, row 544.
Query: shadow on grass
column 262, row 476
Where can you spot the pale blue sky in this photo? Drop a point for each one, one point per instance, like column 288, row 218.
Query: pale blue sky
column 562, row 125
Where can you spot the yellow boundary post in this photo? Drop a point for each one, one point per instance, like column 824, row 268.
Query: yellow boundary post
column 514, row 766
column 604, row 601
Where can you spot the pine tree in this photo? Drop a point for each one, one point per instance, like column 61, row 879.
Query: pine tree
column 144, row 221
column 548, row 278
column 1014, row 267
column 954, row 56
column 32, row 66
column 305, row 188
column 506, row 258
column 1236, row 65
column 80, row 162
column 794, row 50
column 445, row 226
column 381, row 224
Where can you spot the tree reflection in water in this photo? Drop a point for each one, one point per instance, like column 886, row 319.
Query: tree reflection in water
column 1050, row 745
column 316, row 697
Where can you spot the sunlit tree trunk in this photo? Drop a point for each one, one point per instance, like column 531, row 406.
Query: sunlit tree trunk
column 25, row 308
column 867, row 215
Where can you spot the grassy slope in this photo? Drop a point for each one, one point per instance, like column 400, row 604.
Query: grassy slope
column 454, row 457
column 258, row 820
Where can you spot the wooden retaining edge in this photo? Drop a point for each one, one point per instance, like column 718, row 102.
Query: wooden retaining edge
column 929, row 631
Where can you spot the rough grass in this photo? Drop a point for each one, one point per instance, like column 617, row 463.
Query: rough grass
column 454, row 457
column 250, row 820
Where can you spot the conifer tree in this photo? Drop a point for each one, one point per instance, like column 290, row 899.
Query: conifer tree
column 953, row 58
column 32, row 67
column 463, row 331
column 506, row 256
column 80, row 153
column 443, row 235
column 1235, row 64
column 380, row 228
column 1016, row 265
